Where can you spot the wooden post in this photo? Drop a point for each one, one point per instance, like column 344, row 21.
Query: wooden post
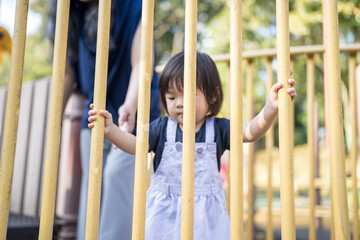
column 292, row 110
column 54, row 121
column 269, row 142
column 249, row 116
column 311, row 142
column 236, row 122
column 187, row 197
column 142, row 139
column 285, row 141
column 336, row 135
column 354, row 143
column 97, row 133
column 12, row 111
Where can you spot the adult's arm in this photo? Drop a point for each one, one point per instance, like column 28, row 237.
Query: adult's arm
column 69, row 85
column 127, row 111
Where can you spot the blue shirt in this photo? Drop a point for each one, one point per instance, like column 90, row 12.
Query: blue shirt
column 157, row 137
column 127, row 18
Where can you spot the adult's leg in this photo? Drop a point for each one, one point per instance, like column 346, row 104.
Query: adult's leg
column 85, row 144
column 117, row 201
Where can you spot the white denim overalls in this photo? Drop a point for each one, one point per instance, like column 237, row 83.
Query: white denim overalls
column 163, row 205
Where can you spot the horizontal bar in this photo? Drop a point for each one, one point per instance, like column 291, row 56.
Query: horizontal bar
column 297, row 50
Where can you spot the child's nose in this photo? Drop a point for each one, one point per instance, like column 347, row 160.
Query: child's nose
column 179, row 102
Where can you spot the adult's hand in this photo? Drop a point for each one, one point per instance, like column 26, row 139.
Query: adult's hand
column 127, row 117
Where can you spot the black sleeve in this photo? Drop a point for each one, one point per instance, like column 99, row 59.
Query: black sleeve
column 74, row 65
column 224, row 127
column 155, row 129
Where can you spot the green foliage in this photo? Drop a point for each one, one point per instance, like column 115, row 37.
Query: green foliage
column 259, row 32
column 169, row 23
column 5, row 70
column 37, row 63
column 305, row 23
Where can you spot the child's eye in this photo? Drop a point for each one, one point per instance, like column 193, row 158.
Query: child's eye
column 169, row 96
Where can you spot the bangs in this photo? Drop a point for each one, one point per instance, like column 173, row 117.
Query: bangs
column 176, row 82
column 207, row 80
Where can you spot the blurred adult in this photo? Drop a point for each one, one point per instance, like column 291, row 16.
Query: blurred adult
column 121, row 101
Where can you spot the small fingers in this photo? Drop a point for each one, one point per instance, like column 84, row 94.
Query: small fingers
column 91, row 118
column 91, row 105
column 90, row 125
column 291, row 90
column 291, row 81
column 92, row 112
column 276, row 87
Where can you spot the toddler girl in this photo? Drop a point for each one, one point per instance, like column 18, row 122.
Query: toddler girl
column 212, row 137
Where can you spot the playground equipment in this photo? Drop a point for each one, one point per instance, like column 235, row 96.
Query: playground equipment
column 314, row 183
column 339, row 199
column 5, row 42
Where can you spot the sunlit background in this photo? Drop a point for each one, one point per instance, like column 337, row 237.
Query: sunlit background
column 259, row 32
column 7, row 17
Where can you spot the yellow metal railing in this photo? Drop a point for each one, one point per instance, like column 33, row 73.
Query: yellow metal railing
column 12, row 111
column 188, row 161
column 97, row 133
column 285, row 57
column 309, row 52
column 236, row 120
column 54, row 122
column 146, row 59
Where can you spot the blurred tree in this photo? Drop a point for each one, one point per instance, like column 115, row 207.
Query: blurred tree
column 169, row 23
column 37, row 62
column 168, row 32
column 259, row 32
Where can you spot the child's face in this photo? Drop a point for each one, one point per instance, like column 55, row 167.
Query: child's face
column 175, row 100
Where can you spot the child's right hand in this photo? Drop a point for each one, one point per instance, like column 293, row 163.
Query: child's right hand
column 108, row 124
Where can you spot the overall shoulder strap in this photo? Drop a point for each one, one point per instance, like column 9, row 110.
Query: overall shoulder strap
column 209, row 128
column 171, row 130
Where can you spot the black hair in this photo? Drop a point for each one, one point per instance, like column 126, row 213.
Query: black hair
column 207, row 80
column 81, row 13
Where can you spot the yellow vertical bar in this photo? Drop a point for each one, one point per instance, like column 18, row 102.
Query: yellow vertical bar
column 12, row 113
column 187, row 198
column 285, row 141
column 354, row 143
column 97, row 133
column 269, row 142
column 292, row 111
column 250, row 114
column 228, row 89
column 336, row 135
column 142, row 139
column 54, row 121
column 311, row 142
column 236, row 122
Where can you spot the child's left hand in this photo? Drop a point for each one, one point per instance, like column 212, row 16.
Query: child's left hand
column 273, row 97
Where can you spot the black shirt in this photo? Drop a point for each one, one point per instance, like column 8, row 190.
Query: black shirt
column 157, row 137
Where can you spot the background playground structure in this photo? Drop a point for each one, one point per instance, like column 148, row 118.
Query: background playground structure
column 349, row 38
